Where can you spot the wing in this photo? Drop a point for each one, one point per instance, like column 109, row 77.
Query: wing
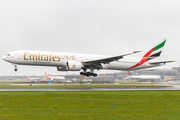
column 96, row 63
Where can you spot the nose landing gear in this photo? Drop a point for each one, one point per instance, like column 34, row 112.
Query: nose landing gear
column 15, row 69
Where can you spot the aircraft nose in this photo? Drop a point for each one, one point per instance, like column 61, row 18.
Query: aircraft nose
column 4, row 57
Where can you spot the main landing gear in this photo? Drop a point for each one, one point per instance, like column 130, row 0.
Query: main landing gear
column 15, row 69
column 88, row 73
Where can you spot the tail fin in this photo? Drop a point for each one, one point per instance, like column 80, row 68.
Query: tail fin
column 153, row 53
column 47, row 76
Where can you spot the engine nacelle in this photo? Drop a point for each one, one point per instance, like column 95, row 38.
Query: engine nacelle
column 62, row 69
column 74, row 66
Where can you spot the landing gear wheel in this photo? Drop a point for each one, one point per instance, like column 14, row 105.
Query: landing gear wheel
column 95, row 75
column 15, row 69
column 81, row 73
column 85, row 74
column 88, row 74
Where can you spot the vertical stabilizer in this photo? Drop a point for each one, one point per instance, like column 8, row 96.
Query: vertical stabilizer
column 156, row 51
column 46, row 75
column 152, row 53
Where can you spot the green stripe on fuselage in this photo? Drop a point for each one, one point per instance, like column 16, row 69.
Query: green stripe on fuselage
column 160, row 45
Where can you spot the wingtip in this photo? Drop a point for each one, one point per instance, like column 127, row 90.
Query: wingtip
column 137, row 51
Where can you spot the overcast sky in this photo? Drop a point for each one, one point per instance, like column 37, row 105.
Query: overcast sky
column 109, row 27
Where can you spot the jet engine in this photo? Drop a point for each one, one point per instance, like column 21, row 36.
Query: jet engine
column 74, row 66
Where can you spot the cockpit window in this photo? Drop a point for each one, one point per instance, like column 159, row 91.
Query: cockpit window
column 7, row 54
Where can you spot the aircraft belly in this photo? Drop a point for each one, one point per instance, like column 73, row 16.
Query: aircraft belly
column 40, row 63
column 127, row 66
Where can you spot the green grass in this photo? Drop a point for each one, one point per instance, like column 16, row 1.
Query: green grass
column 90, row 105
column 80, row 86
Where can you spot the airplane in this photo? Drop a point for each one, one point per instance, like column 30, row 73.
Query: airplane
column 144, row 77
column 29, row 78
column 54, row 78
column 86, row 62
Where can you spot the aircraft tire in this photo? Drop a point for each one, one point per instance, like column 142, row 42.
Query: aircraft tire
column 15, row 69
column 95, row 75
column 88, row 74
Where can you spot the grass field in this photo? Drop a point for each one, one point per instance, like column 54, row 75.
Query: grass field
column 88, row 105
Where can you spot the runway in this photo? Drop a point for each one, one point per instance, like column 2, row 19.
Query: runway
column 174, row 87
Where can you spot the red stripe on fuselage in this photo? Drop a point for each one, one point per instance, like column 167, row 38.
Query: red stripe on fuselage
column 144, row 59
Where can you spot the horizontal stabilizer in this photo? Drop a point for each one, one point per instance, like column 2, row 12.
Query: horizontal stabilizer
column 160, row 62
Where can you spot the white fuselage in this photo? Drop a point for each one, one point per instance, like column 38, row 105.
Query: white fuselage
column 144, row 77
column 33, row 78
column 56, row 78
column 59, row 59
